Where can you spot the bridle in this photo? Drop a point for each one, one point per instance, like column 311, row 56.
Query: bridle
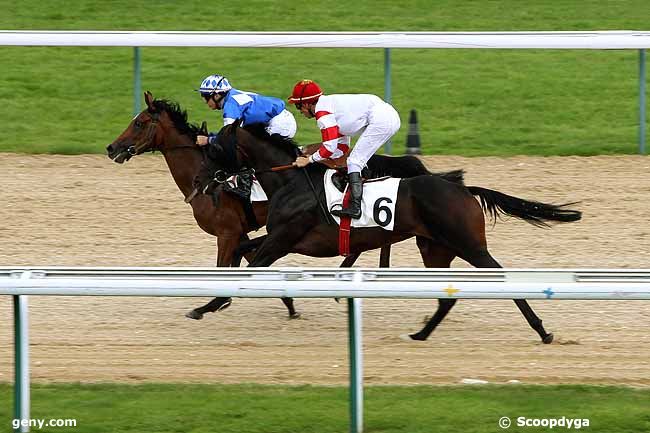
column 142, row 145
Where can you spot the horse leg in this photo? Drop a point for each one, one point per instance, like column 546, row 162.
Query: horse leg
column 465, row 228
column 347, row 263
column 434, row 256
column 279, row 242
column 485, row 260
column 269, row 250
column 288, row 302
column 384, row 260
column 247, row 248
column 384, row 257
column 225, row 247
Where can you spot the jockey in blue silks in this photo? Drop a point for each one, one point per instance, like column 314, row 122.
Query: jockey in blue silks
column 247, row 106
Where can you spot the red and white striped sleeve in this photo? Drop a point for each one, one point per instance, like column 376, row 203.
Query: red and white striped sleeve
column 334, row 144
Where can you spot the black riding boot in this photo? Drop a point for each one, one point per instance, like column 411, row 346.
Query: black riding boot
column 356, row 191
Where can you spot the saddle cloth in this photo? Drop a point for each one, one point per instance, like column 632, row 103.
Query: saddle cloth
column 377, row 204
column 257, row 193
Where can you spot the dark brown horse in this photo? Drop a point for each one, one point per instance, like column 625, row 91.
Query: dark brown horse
column 445, row 218
column 163, row 126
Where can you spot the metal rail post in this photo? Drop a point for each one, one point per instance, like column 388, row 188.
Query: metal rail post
column 21, row 361
column 356, row 361
column 642, row 102
column 137, row 85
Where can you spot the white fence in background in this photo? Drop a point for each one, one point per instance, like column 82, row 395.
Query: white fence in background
column 579, row 284
column 612, row 39
column 591, row 40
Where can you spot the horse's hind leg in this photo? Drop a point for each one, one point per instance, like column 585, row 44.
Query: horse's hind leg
column 384, row 260
column 434, row 256
column 534, row 321
column 347, row 263
column 444, row 306
column 485, row 260
column 384, row 257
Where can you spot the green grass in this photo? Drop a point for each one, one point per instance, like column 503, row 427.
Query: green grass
column 163, row 408
column 469, row 102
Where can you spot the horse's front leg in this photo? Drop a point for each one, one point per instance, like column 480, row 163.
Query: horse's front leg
column 226, row 246
column 277, row 245
column 248, row 249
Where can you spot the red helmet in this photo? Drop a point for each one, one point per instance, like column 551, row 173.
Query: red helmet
column 305, row 91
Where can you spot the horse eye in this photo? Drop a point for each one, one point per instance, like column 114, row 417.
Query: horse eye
column 138, row 124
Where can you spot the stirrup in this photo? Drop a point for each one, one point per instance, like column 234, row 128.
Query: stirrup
column 346, row 213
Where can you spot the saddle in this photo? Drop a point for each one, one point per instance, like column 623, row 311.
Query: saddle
column 240, row 184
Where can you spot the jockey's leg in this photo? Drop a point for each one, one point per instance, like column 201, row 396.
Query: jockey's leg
column 284, row 124
column 353, row 210
column 383, row 124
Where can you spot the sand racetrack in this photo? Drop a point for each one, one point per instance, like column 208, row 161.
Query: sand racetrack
column 88, row 211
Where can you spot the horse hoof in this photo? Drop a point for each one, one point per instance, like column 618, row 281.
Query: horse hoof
column 194, row 315
column 548, row 339
column 224, row 305
column 417, row 337
column 295, row 315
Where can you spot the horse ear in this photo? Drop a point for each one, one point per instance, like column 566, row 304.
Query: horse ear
column 148, row 98
column 238, row 123
column 204, row 128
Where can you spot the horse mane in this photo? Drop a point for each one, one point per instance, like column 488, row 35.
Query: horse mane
column 285, row 144
column 178, row 117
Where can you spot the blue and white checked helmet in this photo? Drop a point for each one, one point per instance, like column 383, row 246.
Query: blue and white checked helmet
column 214, row 84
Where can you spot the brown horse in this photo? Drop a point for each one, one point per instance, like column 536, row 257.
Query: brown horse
column 445, row 218
column 163, row 126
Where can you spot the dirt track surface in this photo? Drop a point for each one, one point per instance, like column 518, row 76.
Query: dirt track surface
column 88, row 211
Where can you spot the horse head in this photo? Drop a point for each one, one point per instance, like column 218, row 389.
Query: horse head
column 221, row 161
column 238, row 147
column 244, row 150
column 152, row 129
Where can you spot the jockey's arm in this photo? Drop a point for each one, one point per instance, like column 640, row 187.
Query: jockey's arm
column 331, row 150
column 334, row 144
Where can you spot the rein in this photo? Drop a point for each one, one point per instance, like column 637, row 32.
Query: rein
column 280, row 167
column 276, row 168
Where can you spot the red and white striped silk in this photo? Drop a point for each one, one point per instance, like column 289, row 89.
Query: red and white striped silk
column 334, row 144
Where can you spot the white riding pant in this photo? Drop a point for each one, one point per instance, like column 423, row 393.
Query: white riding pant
column 383, row 124
column 283, row 124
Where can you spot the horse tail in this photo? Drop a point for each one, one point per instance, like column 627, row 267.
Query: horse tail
column 495, row 203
